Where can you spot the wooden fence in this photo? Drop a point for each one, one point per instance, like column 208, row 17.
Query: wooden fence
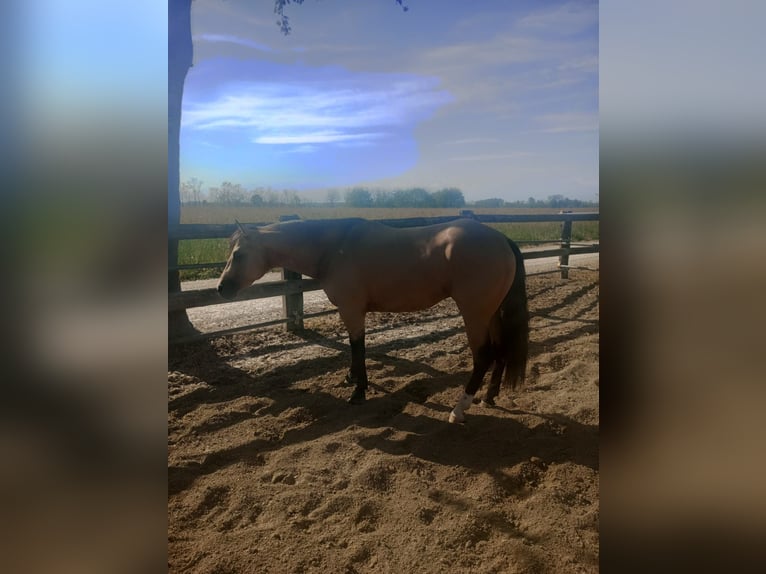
column 292, row 286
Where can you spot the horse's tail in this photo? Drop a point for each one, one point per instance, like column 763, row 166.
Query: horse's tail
column 514, row 325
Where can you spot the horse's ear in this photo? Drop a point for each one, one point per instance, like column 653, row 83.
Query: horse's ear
column 241, row 227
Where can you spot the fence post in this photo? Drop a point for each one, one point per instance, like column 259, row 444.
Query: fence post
column 292, row 304
column 566, row 243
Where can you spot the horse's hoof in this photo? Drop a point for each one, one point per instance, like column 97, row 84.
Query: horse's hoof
column 357, row 397
column 488, row 403
column 347, row 381
column 455, row 418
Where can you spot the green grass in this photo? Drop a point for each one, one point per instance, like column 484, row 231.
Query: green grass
column 193, row 251
column 547, row 231
column 215, row 250
column 249, row 214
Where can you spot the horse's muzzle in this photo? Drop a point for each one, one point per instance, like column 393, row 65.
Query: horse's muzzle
column 227, row 289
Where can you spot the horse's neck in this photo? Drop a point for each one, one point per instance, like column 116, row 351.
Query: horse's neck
column 301, row 246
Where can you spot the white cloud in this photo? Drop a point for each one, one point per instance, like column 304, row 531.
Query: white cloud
column 492, row 156
column 565, row 18
column 306, row 112
column 314, row 138
column 499, row 72
column 587, row 63
column 230, row 39
column 471, row 141
column 302, row 149
column 571, row 122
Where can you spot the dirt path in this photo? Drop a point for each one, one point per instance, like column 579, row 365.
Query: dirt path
column 270, row 470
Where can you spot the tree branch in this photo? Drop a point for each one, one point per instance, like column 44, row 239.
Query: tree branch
column 283, row 21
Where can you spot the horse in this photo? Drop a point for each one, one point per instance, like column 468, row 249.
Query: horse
column 366, row 266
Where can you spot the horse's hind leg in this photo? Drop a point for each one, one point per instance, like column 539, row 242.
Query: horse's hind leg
column 482, row 359
column 358, row 373
column 494, row 384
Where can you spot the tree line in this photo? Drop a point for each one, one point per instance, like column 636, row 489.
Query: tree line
column 554, row 201
column 229, row 193
column 234, row 194
column 412, row 197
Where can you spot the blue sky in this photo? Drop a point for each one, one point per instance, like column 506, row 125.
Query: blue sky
column 497, row 98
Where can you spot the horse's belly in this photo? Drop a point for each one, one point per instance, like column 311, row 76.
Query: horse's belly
column 403, row 306
column 408, row 296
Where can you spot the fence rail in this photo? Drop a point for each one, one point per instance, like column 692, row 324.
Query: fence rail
column 224, row 230
column 292, row 287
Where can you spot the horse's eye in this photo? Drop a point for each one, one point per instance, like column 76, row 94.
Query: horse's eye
column 237, row 256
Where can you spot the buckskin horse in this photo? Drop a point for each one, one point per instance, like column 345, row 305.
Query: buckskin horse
column 367, row 266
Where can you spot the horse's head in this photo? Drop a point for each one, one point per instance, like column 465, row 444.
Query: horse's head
column 246, row 263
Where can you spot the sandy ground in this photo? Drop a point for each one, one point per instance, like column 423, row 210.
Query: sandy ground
column 270, row 470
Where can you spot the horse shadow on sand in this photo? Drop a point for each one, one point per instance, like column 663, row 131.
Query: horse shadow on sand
column 485, row 443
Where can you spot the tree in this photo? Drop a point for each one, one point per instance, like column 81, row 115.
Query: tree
column 256, row 199
column 290, row 197
column 413, row 197
column 382, row 198
column 359, row 197
column 228, row 194
column 449, row 197
column 557, row 200
column 491, row 202
column 271, row 197
column 191, row 191
column 180, row 58
column 333, row 195
column 284, row 22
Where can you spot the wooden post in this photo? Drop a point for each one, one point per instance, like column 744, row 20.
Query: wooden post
column 180, row 57
column 566, row 243
column 292, row 305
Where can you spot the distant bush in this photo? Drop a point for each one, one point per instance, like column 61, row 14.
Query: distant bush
column 491, row 202
column 359, row 197
column 553, row 201
column 414, row 197
column 231, row 194
column 449, row 197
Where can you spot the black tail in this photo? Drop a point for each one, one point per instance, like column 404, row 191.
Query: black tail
column 514, row 325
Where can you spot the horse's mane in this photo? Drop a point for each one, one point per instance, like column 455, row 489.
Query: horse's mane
column 234, row 238
column 310, row 226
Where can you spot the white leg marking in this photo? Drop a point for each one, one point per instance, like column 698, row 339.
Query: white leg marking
column 464, row 403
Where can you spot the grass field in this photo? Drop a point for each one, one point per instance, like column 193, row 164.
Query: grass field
column 215, row 250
